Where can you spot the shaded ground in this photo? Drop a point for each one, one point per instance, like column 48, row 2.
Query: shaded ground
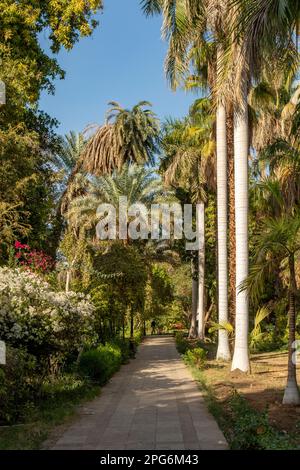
column 151, row 403
column 262, row 388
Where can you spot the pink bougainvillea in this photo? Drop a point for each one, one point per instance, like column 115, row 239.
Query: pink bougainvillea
column 33, row 259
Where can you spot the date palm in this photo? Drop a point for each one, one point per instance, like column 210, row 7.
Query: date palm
column 128, row 136
column 65, row 161
column 69, row 185
column 277, row 244
column 137, row 183
column 71, row 148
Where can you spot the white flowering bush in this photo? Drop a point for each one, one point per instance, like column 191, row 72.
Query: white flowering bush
column 43, row 321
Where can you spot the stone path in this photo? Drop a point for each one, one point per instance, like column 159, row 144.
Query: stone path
column 151, row 403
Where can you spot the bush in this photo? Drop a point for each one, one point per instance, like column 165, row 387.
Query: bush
column 182, row 343
column 20, row 385
column 44, row 322
column 127, row 348
column 101, row 363
column 195, row 357
column 138, row 337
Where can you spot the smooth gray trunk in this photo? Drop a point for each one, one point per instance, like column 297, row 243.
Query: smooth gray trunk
column 193, row 326
column 223, row 352
column 201, row 270
column 241, row 150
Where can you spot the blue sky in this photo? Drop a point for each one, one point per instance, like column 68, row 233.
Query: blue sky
column 122, row 61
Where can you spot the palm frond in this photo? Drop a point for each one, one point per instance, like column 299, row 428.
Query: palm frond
column 128, row 136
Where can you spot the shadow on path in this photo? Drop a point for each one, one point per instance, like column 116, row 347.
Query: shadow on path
column 151, row 403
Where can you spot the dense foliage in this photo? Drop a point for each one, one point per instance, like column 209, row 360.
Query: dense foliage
column 73, row 306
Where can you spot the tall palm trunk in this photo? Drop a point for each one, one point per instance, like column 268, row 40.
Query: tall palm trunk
column 241, row 148
column 193, row 326
column 291, row 394
column 231, row 211
column 69, row 275
column 223, row 343
column 68, row 278
column 131, row 324
column 201, row 269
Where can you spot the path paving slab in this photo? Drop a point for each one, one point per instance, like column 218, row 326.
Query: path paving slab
column 152, row 403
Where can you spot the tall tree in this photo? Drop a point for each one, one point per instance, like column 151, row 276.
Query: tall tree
column 188, row 162
column 277, row 244
column 187, row 24
column 27, row 136
column 263, row 33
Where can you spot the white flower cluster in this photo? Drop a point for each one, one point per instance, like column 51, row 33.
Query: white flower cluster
column 31, row 313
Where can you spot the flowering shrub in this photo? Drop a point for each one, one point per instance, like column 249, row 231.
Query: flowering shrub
column 37, row 261
column 45, row 322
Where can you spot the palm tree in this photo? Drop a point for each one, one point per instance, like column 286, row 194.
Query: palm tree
column 137, row 183
column 245, row 62
column 264, row 34
column 268, row 28
column 187, row 25
column 223, row 352
column 71, row 148
column 69, row 184
column 188, row 162
column 74, row 183
column 127, row 136
column 277, row 244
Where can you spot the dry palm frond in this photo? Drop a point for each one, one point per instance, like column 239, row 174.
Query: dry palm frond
column 102, row 153
column 127, row 136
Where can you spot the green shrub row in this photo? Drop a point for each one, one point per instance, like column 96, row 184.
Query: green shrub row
column 25, row 383
column 99, row 364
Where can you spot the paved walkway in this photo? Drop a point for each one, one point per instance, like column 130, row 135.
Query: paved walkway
column 151, row 403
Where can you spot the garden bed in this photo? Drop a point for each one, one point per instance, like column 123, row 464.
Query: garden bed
column 262, row 389
column 248, row 407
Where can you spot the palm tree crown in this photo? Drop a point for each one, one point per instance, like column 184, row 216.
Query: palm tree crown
column 127, row 136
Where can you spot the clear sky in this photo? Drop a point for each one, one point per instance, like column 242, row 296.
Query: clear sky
column 122, row 61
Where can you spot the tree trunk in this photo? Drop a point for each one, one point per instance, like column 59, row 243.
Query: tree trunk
column 241, row 148
column 131, row 325
column 231, row 206
column 201, row 269
column 68, row 278
column 291, row 394
column 69, row 274
column 223, row 351
column 193, row 327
